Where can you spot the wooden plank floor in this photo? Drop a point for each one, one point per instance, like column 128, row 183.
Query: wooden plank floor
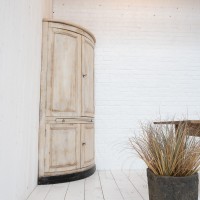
column 103, row 185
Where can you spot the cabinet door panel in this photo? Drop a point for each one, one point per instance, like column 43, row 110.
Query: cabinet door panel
column 87, row 77
column 87, row 149
column 62, row 147
column 64, row 73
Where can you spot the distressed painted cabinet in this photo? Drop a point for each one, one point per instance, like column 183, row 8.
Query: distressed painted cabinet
column 66, row 136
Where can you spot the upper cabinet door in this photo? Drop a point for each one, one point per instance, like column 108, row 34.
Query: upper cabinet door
column 87, row 77
column 63, row 73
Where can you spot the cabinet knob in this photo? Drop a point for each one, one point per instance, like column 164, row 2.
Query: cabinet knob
column 83, row 143
column 84, row 75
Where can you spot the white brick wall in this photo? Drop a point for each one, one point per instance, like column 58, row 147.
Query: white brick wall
column 147, row 64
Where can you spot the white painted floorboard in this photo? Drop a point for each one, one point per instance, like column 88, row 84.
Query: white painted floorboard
column 40, row 192
column 57, row 192
column 128, row 190
column 76, row 190
column 93, row 189
column 139, row 183
column 109, row 187
column 103, row 185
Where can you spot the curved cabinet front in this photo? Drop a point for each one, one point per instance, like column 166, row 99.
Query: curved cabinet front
column 66, row 136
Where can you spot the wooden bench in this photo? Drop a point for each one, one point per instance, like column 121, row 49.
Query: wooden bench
column 193, row 125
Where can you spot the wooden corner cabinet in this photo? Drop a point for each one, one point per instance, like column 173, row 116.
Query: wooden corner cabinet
column 66, row 135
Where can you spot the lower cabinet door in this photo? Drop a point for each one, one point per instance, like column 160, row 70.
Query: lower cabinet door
column 87, row 147
column 62, row 147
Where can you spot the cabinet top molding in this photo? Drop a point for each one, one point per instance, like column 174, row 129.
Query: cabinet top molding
column 70, row 24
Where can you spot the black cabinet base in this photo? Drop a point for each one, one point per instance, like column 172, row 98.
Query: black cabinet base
column 67, row 177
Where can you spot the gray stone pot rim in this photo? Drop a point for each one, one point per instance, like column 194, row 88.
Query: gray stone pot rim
column 173, row 177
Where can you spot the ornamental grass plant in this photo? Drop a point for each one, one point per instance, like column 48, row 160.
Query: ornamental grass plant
column 166, row 151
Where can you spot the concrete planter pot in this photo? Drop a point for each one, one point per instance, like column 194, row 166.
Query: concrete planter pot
column 172, row 188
